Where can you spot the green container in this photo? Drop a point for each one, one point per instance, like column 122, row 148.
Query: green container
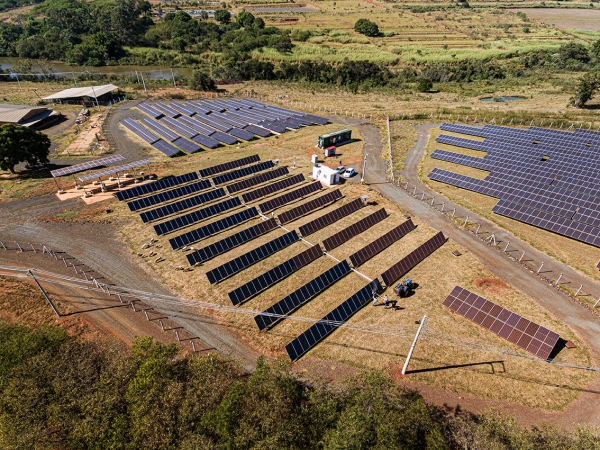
column 335, row 138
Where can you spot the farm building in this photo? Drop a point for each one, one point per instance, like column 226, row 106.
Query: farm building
column 27, row 116
column 87, row 96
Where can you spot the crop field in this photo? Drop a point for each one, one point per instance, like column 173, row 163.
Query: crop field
column 434, row 362
column 567, row 19
column 576, row 254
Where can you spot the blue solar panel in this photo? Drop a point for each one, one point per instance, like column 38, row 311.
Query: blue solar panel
column 197, row 107
column 168, row 111
column 206, row 141
column 198, row 126
column 182, row 109
column 164, row 132
column 139, row 131
column 230, row 120
column 179, row 127
column 188, row 146
column 156, row 186
column 165, row 196
column 154, row 113
column 242, row 134
column 262, row 132
column 214, row 123
column 225, row 138
column 181, row 205
column 235, row 174
column 165, row 148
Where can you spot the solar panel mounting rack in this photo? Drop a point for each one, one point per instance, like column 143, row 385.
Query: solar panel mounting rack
column 355, row 229
column 292, row 214
column 196, row 216
column 169, row 195
column 175, row 207
column 156, row 186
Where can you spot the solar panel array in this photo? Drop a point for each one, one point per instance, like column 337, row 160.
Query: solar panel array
column 284, row 199
column 152, row 112
column 394, row 273
column 331, row 217
column 320, row 330
column 354, row 230
column 87, row 165
column 381, row 243
column 276, row 274
column 182, row 205
column 212, row 228
column 256, row 180
column 156, row 186
column 292, row 214
column 252, row 257
column 224, row 245
column 519, row 331
column 240, row 173
column 114, row 170
column 196, row 216
column 210, row 171
column 546, row 178
column 166, row 196
column 272, row 188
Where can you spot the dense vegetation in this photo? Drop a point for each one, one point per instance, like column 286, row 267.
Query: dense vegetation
column 8, row 4
column 57, row 391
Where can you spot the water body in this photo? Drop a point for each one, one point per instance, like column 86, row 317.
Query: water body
column 501, row 99
column 152, row 72
column 282, row 9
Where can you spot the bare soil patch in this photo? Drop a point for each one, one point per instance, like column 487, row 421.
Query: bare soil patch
column 566, row 18
column 490, row 284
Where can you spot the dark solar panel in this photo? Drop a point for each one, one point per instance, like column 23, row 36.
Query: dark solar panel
column 252, row 257
column 373, row 248
column 224, row 138
column 301, row 296
column 182, row 205
column 152, row 112
column 354, row 230
column 86, row 165
column 196, row 216
column 139, row 131
column 186, row 145
column 209, row 171
column 182, row 108
column 292, row 214
column 284, row 199
column 240, row 173
column 242, row 134
column 166, row 109
column 256, row 180
column 508, row 325
column 163, row 131
column 179, row 127
column 156, row 186
column 276, row 274
column 195, row 125
column 331, row 217
column 391, row 275
column 214, row 123
column 272, row 188
column 169, row 195
column 224, row 245
column 258, row 131
column 166, row 148
column 212, row 228
column 206, row 141
column 320, row 330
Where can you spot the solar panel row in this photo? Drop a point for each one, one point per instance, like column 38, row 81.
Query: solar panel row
column 276, row 274
column 239, row 173
column 182, row 205
column 186, row 145
column 320, row 330
column 256, row 180
column 300, row 296
column 169, row 195
column 284, row 199
column 354, row 230
column 212, row 228
column 224, row 245
column 331, row 217
column 292, row 214
column 156, row 186
column 272, row 188
column 166, row 148
column 210, row 171
column 252, row 257
column 196, row 216
column 139, row 131
column 381, row 243
column 114, row 170
column 152, row 112
column 508, row 325
column 87, row 165
column 163, row 131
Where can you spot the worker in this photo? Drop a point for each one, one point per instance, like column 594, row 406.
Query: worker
column 394, row 302
column 385, row 300
column 374, row 300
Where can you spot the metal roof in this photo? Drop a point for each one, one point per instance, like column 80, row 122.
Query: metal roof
column 16, row 113
column 87, row 165
column 83, row 92
column 112, row 170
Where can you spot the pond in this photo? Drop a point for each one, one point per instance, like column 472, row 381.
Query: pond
column 501, row 99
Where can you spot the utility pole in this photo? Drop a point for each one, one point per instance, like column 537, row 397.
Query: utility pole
column 414, row 344
column 362, row 178
column 390, row 147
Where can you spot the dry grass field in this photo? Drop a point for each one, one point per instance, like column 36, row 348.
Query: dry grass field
column 435, row 363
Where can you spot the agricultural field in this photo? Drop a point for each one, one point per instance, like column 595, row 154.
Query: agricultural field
column 506, row 378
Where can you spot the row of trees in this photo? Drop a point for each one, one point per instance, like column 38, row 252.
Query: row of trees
column 60, row 392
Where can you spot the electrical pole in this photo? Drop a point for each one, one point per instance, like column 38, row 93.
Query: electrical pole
column 362, row 178
column 414, row 344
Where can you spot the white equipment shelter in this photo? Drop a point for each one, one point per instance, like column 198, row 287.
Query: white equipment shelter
column 325, row 174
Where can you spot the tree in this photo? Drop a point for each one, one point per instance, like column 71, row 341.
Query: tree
column 588, row 85
column 200, row 81
column 574, row 50
column 222, row 16
column 425, row 85
column 245, row 19
column 366, row 27
column 596, row 49
column 22, row 144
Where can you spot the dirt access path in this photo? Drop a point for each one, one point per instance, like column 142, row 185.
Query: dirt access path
column 580, row 319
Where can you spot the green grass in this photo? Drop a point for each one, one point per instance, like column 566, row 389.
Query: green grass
column 312, row 52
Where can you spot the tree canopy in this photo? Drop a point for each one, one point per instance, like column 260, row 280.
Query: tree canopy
column 22, row 144
column 366, row 27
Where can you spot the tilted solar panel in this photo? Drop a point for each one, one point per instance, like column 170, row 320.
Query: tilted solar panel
column 508, row 325
column 354, row 230
column 331, row 217
column 373, row 248
column 169, row 195
column 166, row 109
column 195, row 125
column 316, row 119
column 290, row 197
column 242, row 134
column 224, row 245
column 186, row 145
column 224, row 138
column 300, row 296
column 163, row 131
column 252, row 257
column 394, row 273
column 239, row 173
column 272, row 188
column 206, row 141
column 212, row 228
column 320, row 330
column 256, row 180
column 156, row 186
column 292, row 214
column 139, row 131
column 209, row 171
column 262, row 132
column 196, row 216
column 86, row 165
column 182, row 205
column 179, row 127
column 152, row 112
column 276, row 274
column 166, row 148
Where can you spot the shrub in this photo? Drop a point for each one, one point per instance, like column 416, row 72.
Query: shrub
column 366, row 27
